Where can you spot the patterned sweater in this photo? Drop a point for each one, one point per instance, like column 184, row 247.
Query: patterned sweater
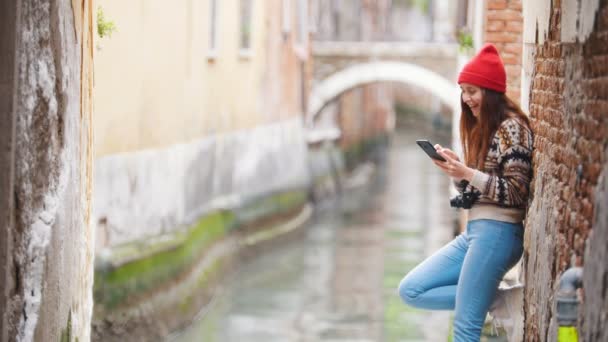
column 502, row 187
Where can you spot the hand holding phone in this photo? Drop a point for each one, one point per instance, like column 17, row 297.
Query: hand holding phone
column 429, row 149
column 452, row 167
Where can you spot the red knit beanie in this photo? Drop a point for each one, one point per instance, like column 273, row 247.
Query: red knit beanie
column 485, row 70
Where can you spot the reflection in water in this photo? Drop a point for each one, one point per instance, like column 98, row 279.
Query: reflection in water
column 339, row 281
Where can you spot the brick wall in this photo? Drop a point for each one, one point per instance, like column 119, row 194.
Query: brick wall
column 503, row 28
column 568, row 106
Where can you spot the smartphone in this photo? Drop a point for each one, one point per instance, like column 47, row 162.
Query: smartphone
column 429, row 149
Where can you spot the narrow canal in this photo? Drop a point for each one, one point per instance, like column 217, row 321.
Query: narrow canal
column 338, row 282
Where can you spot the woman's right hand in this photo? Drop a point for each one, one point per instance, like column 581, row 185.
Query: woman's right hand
column 453, row 167
column 447, row 151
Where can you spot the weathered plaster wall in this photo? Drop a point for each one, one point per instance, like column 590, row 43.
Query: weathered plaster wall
column 50, row 292
column 151, row 192
column 567, row 104
column 182, row 127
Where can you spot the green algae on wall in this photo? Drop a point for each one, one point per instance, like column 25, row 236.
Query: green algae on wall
column 171, row 256
column 66, row 334
column 269, row 205
column 137, row 268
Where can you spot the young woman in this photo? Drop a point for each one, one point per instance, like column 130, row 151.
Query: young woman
column 493, row 182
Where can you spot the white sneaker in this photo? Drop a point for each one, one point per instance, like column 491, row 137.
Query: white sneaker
column 504, row 311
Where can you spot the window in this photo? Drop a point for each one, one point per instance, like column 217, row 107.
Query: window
column 246, row 13
column 286, row 17
column 212, row 28
column 302, row 24
column 301, row 38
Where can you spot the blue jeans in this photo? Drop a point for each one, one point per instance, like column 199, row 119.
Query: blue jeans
column 464, row 275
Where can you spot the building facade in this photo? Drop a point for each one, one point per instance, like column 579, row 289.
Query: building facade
column 198, row 131
column 174, row 83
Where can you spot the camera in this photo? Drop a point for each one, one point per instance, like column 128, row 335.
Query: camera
column 464, row 200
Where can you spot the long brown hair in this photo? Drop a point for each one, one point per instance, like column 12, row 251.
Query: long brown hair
column 476, row 134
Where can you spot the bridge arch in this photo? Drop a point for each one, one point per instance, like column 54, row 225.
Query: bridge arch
column 364, row 73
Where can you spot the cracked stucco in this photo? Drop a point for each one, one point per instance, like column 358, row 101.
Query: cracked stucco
column 52, row 243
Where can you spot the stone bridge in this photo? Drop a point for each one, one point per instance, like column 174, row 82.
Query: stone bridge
column 340, row 66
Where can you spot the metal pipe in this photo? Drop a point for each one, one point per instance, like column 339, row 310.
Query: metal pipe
column 567, row 304
column 571, row 280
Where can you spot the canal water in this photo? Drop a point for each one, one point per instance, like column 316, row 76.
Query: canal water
column 338, row 282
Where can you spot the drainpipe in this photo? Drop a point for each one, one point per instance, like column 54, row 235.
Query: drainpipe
column 567, row 304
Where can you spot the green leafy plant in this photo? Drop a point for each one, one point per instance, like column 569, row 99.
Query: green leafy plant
column 465, row 40
column 422, row 5
column 104, row 27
